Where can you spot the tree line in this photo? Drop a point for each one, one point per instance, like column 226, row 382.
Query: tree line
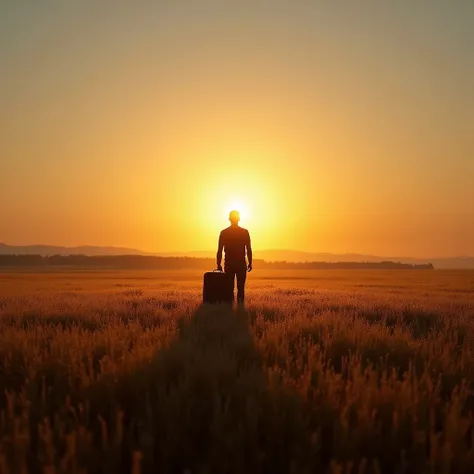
column 170, row 263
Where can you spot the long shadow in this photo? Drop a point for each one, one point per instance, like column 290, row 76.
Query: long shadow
column 211, row 387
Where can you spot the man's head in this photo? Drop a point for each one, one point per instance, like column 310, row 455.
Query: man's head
column 234, row 217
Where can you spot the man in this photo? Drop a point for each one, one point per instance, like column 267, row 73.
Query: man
column 235, row 241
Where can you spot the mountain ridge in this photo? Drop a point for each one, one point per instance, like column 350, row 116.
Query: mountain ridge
column 48, row 250
column 270, row 255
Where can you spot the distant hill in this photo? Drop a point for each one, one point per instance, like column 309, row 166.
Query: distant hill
column 299, row 256
column 47, row 250
column 278, row 255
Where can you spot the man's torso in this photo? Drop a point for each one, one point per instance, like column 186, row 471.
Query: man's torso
column 235, row 240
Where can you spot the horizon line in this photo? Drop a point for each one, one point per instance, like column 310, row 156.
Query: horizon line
column 178, row 253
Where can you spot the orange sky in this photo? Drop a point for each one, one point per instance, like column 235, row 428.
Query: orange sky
column 336, row 129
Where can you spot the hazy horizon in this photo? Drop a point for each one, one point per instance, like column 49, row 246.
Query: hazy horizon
column 334, row 129
column 211, row 252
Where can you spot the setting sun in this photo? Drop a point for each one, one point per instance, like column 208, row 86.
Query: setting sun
column 254, row 194
column 241, row 207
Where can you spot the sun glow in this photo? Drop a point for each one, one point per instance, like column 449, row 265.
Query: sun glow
column 238, row 205
column 251, row 186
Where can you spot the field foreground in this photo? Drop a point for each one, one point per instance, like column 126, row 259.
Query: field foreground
column 335, row 372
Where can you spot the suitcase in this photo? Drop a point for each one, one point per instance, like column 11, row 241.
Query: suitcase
column 218, row 288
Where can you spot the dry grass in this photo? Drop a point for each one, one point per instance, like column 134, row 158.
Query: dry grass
column 322, row 372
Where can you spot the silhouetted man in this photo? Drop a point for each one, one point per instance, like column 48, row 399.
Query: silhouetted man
column 235, row 241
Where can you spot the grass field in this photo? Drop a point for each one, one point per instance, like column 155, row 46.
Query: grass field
column 323, row 371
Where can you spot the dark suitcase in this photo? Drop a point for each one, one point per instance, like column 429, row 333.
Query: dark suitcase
column 218, row 288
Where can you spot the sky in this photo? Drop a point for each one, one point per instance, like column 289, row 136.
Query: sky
column 333, row 126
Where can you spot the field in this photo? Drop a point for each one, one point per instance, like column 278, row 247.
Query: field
column 323, row 371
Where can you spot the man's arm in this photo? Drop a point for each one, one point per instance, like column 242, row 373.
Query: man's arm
column 249, row 252
column 219, row 252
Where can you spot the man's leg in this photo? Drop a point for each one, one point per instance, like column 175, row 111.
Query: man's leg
column 231, row 272
column 241, row 274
